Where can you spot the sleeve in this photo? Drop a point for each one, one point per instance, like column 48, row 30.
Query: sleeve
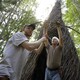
column 18, row 38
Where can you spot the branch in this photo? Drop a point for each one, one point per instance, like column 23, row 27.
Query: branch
column 73, row 29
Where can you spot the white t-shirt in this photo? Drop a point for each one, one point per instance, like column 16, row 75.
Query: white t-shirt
column 14, row 57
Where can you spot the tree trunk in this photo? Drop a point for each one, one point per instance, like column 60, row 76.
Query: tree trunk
column 35, row 67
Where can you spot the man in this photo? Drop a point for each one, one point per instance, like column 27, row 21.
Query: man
column 16, row 53
column 54, row 54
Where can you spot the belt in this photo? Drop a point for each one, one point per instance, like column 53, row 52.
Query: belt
column 53, row 69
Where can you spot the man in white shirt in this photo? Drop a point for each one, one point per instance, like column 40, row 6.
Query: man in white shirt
column 17, row 52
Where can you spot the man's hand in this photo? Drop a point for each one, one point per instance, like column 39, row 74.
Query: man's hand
column 43, row 39
column 58, row 24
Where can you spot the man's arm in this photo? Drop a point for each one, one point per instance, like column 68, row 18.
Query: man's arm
column 45, row 31
column 40, row 48
column 32, row 45
column 59, row 33
column 45, row 27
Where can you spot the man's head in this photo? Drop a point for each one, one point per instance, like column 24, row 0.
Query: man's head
column 30, row 25
column 55, row 41
column 28, row 29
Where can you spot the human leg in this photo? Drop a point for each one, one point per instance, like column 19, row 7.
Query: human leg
column 56, row 77
column 47, row 75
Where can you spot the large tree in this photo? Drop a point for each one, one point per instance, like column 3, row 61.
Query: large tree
column 35, row 67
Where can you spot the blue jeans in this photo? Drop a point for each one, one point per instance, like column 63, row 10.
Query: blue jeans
column 52, row 75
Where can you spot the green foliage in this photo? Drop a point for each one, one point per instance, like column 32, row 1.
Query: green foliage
column 6, row 4
column 72, row 18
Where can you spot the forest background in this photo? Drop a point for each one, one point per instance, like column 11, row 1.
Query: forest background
column 15, row 13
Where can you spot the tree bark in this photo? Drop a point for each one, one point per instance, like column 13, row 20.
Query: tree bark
column 35, row 67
